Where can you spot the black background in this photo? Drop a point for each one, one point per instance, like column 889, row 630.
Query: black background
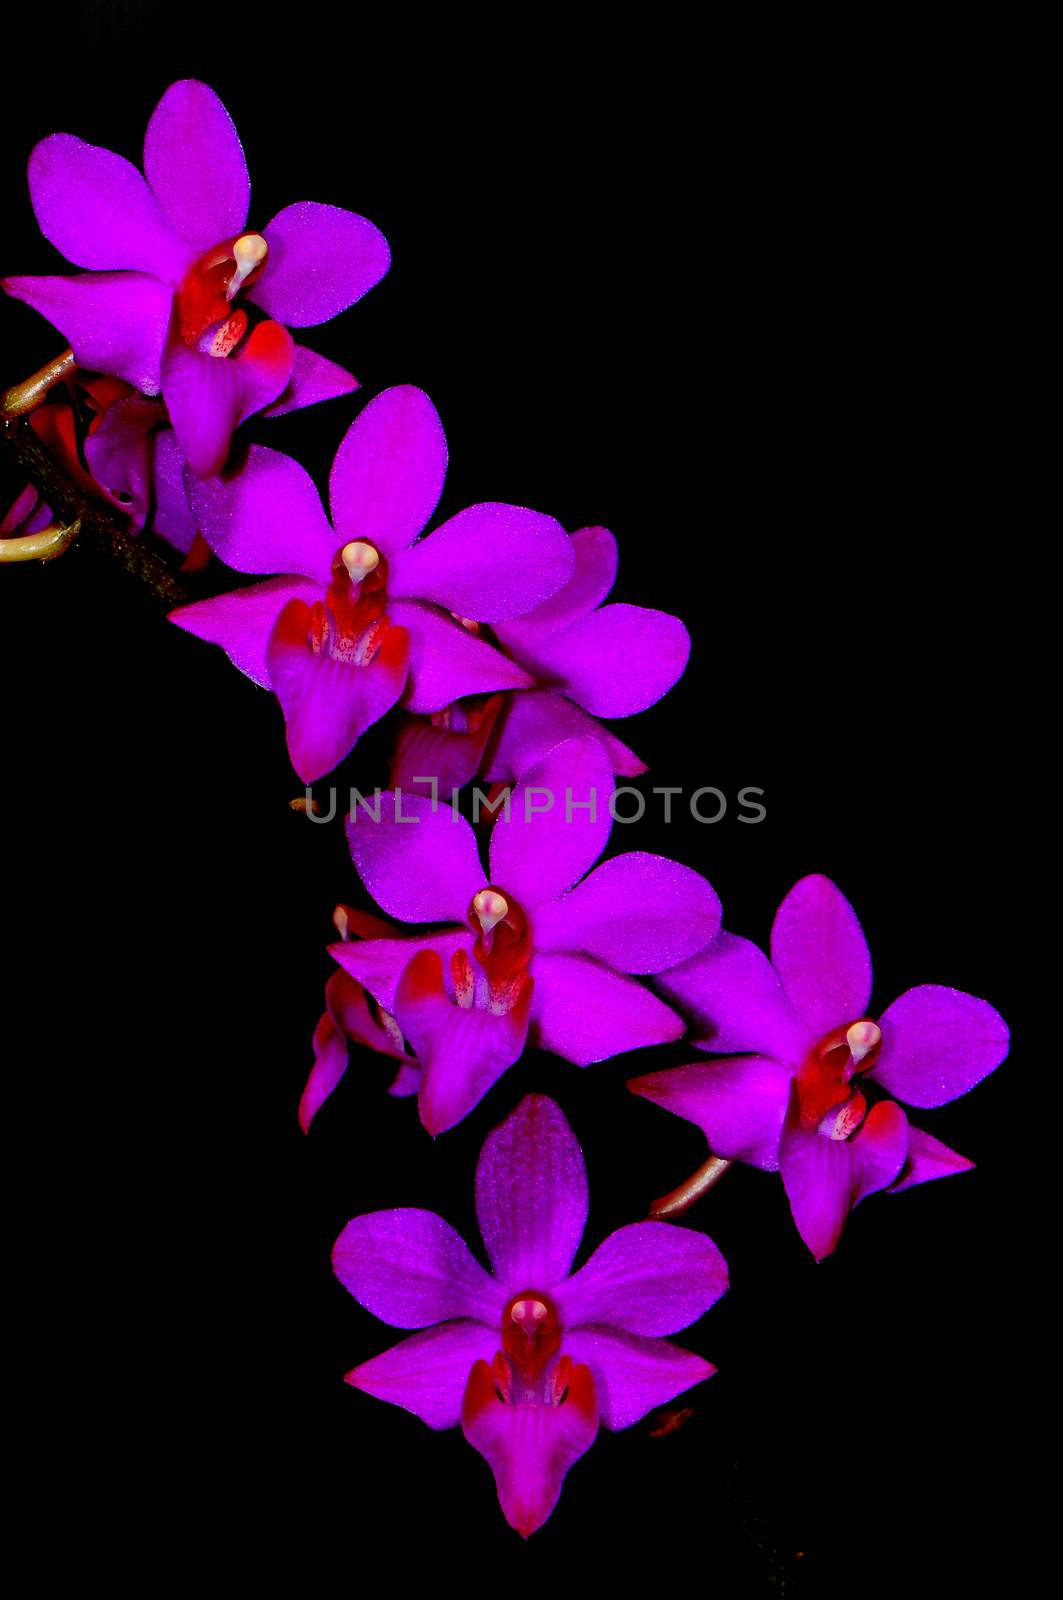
column 751, row 317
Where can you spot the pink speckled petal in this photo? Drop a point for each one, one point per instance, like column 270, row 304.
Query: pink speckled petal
column 636, row 913
column 427, row 1372
column 195, row 165
column 96, row 209
column 266, row 517
column 820, row 953
column 531, row 1196
column 584, row 1012
column 558, row 823
column 739, row 1104
column 650, row 1278
column 209, row 396
column 116, row 322
column 489, row 562
column 380, row 963
column 937, row 1043
column 389, row 469
column 120, row 451
column 735, row 1002
column 824, row 1178
column 174, row 519
column 242, row 621
column 321, row 260
column 616, row 661
column 593, row 575
column 462, row 1050
column 529, row 1447
column 632, row 1374
column 329, row 704
column 447, row 662
column 537, row 719
column 419, row 861
column 409, row 1267
column 927, row 1159
column 314, row 378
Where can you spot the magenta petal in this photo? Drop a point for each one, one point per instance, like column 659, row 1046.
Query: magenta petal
column 735, row 1001
column 328, row 704
column 534, row 720
column 96, row 209
column 634, row 1374
column 119, row 454
column 195, row 164
column 419, row 861
column 586, row 1013
column 321, row 260
column 529, row 1447
column 330, row 1064
column 937, row 1043
column 242, row 621
column 531, row 1196
column 616, row 661
column 820, row 953
column 447, row 662
column 650, row 1277
column 209, row 396
column 824, row 1178
column 380, row 963
column 817, row 1174
column 489, row 562
column 173, row 518
column 637, row 913
column 928, row 1158
column 558, row 823
column 389, row 469
column 427, row 1372
column 19, row 512
column 409, row 1267
column 739, row 1104
column 451, row 756
column 314, row 378
column 462, row 1050
column 266, row 517
column 116, row 322
column 593, row 575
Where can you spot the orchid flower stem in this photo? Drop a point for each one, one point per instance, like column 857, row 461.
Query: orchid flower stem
column 681, row 1199
column 24, row 397
column 79, row 521
column 43, row 546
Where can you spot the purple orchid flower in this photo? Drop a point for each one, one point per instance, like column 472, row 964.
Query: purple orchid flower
column 173, row 270
column 353, row 1017
column 804, row 1100
column 586, row 660
column 530, row 951
column 361, row 614
column 530, row 1356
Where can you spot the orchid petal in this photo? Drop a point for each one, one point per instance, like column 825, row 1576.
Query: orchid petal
column 531, row 1196
column 631, row 1374
column 534, row 721
column 314, row 378
column 209, row 396
column 584, row 1012
column 427, row 1373
column 735, row 1001
column 266, row 517
column 243, row 620
column 195, row 165
column 739, row 1104
column 389, row 469
column 928, row 1158
column 419, row 861
column 410, row 1268
column 558, row 823
column 486, row 563
column 937, row 1043
column 649, row 1278
column 115, row 322
column 447, row 662
column 636, row 913
column 616, row 661
column 820, row 953
column 321, row 260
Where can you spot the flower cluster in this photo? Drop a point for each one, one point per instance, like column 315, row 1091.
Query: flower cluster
column 487, row 642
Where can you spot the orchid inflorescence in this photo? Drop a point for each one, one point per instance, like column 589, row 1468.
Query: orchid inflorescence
column 490, row 644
